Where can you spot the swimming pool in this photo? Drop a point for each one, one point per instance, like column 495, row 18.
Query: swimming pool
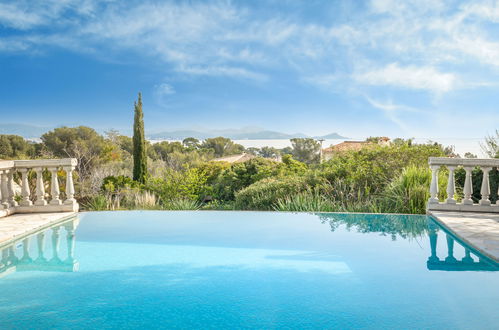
column 157, row 269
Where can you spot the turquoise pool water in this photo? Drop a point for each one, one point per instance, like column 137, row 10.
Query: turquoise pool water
column 260, row 270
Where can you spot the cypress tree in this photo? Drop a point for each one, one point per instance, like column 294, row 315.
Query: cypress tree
column 139, row 144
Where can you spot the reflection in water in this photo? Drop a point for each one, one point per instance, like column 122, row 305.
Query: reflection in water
column 450, row 262
column 406, row 226
column 31, row 253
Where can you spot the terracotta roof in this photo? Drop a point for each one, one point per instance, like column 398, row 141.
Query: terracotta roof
column 235, row 158
column 346, row 145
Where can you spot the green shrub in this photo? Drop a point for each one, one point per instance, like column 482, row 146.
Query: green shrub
column 242, row 175
column 373, row 168
column 263, row 194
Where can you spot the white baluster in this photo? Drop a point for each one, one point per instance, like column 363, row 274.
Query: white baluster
column 5, row 189
column 451, row 187
column 434, row 185
column 54, row 187
column 468, row 186
column 25, row 191
column 70, row 189
column 485, row 189
column 10, row 188
column 40, row 189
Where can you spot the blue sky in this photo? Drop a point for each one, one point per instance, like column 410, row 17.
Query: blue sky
column 424, row 68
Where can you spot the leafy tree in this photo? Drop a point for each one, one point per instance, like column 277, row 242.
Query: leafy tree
column 191, row 142
column 286, row 151
column 82, row 143
column 253, row 150
column 222, row 146
column 241, row 175
column 139, row 145
column 165, row 148
column 491, row 145
column 306, row 150
column 269, row 152
column 6, row 150
column 15, row 146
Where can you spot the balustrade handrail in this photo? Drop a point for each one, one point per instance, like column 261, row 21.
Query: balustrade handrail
column 467, row 203
column 490, row 162
column 10, row 203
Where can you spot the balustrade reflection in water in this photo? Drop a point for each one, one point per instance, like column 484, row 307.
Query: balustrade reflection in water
column 51, row 249
column 470, row 261
column 416, row 227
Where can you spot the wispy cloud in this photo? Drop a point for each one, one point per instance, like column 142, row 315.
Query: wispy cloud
column 423, row 45
column 425, row 78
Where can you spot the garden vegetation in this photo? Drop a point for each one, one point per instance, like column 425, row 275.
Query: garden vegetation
column 183, row 175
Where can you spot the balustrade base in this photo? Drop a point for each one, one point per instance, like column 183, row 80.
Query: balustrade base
column 47, row 208
column 39, row 209
column 494, row 208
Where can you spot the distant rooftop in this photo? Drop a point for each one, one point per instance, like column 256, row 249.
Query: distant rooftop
column 235, row 158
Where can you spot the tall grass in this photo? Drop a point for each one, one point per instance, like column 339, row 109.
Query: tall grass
column 409, row 192
column 127, row 199
column 306, row 202
column 182, row 204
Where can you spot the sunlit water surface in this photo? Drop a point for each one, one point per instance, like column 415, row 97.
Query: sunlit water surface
column 148, row 269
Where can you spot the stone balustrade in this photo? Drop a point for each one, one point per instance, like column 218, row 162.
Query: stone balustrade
column 467, row 203
column 38, row 201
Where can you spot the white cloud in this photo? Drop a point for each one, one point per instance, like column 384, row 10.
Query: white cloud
column 228, row 39
column 165, row 89
column 221, row 71
column 412, row 77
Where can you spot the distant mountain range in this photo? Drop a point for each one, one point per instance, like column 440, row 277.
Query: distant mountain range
column 246, row 133
column 236, row 135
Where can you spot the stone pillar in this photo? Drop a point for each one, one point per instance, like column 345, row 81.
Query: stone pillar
column 25, row 191
column 485, row 189
column 54, row 187
column 5, row 189
column 468, row 186
column 70, row 189
column 451, row 187
column 434, row 185
column 40, row 189
column 10, row 187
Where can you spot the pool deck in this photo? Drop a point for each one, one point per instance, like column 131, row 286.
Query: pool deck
column 18, row 225
column 480, row 230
